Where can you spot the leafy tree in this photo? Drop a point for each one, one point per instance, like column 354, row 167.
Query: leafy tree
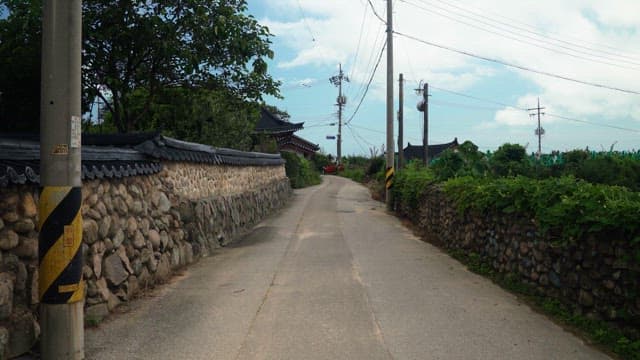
column 134, row 49
column 20, row 43
column 510, row 160
column 213, row 117
column 282, row 114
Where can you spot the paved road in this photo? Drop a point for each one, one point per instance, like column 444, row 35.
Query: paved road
column 332, row 277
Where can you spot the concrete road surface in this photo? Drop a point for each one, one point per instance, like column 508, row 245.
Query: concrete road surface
column 332, row 276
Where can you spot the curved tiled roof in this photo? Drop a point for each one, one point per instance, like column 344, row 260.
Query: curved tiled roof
column 417, row 151
column 271, row 124
column 167, row 148
column 20, row 162
column 117, row 156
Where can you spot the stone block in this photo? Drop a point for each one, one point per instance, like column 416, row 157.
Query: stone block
column 114, row 270
column 7, row 282
column 163, row 270
column 24, row 333
column 27, row 248
column 24, row 226
column 154, row 239
column 8, row 240
column 89, row 231
column 96, row 313
column 104, row 227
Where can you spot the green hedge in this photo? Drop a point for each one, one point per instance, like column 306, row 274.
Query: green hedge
column 571, row 206
column 300, row 171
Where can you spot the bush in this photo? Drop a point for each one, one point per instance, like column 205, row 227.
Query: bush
column 570, row 206
column 356, row 174
column 510, row 160
column 300, row 171
column 410, row 183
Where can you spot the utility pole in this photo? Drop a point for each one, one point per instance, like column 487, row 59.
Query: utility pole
column 539, row 131
column 341, row 101
column 61, row 289
column 424, row 107
column 425, row 135
column 390, row 146
column 400, row 124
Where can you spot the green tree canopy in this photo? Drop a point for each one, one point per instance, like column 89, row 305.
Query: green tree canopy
column 141, row 47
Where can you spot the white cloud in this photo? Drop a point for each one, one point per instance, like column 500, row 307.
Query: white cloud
column 606, row 31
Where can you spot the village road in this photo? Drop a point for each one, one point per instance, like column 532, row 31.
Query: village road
column 332, row 276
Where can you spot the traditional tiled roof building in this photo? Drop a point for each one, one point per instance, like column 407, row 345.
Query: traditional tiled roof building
column 283, row 133
column 416, row 152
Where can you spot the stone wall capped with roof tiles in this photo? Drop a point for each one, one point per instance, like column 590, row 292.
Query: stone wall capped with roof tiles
column 137, row 230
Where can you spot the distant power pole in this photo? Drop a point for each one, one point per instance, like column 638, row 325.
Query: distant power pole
column 425, row 136
column 400, row 123
column 60, row 285
column 539, row 131
column 424, row 107
column 341, row 101
column 390, row 146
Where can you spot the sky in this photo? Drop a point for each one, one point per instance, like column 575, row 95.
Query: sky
column 472, row 98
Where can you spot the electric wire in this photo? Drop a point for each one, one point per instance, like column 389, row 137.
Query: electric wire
column 355, row 58
column 356, row 140
column 525, row 68
column 526, row 110
column 304, row 19
column 370, row 62
column 619, row 53
column 430, row 10
column 373, row 73
column 376, row 13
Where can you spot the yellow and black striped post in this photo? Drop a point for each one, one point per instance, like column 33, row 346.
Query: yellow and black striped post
column 61, row 289
column 60, row 280
column 388, row 177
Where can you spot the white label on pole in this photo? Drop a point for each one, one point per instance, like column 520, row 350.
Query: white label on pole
column 76, row 132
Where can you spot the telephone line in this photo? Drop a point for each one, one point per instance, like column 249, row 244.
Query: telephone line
column 620, row 53
column 524, row 41
column 547, row 114
column 364, row 95
column 501, row 62
column 506, row 27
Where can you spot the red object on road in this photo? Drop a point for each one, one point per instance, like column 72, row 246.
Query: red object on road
column 332, row 169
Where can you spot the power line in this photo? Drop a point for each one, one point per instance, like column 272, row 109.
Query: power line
column 476, row 98
column 517, row 34
column 547, row 114
column 357, row 142
column 355, row 58
column 465, row 106
column 304, row 19
column 370, row 63
column 376, row 13
column 620, row 53
column 373, row 73
column 593, row 123
column 467, row 53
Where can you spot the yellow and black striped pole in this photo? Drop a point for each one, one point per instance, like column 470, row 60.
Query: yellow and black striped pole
column 60, row 257
column 388, row 177
column 61, row 289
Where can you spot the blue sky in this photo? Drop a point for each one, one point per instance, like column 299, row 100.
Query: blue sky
column 590, row 41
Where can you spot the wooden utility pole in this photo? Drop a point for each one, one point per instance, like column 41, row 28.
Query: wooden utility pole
column 539, row 130
column 390, row 146
column 425, row 135
column 400, row 123
column 61, row 289
column 341, row 101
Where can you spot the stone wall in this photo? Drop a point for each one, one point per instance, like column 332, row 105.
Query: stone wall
column 136, row 232
column 596, row 274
